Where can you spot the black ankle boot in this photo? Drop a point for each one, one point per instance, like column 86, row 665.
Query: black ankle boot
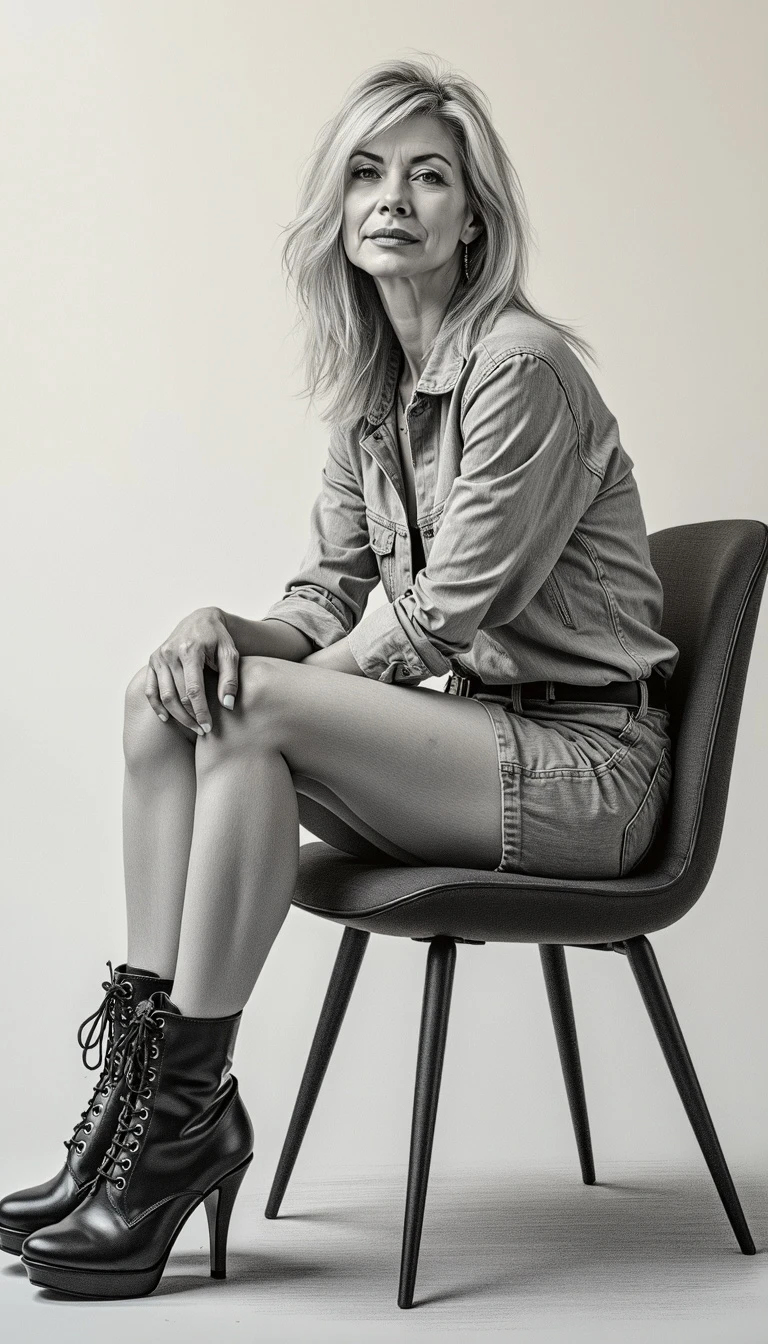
column 26, row 1211
column 183, row 1137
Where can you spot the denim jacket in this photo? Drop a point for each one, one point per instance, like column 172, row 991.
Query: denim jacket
column 537, row 558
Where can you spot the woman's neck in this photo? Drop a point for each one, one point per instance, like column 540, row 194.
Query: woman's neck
column 405, row 382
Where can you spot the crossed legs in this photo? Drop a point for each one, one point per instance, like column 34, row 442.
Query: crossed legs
column 211, row 824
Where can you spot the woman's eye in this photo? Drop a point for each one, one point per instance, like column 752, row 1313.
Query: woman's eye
column 428, row 172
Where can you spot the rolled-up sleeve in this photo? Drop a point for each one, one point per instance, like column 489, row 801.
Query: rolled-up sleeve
column 327, row 595
column 522, row 489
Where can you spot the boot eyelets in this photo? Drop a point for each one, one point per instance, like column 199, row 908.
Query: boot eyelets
column 161, row 1022
column 146, row 1092
column 126, row 1164
column 133, row 1147
column 80, row 1147
column 97, row 1110
column 143, row 1113
column 151, row 1075
column 155, row 1052
column 105, row 1091
column 87, row 1128
column 120, row 1183
column 139, row 1129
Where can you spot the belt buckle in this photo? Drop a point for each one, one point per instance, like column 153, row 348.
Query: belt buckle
column 459, row 685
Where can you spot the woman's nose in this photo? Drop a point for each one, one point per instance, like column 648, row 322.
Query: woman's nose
column 394, row 191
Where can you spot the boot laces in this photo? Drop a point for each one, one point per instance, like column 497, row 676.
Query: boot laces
column 103, row 1023
column 140, row 1049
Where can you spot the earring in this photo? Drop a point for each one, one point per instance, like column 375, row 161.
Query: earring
column 466, row 262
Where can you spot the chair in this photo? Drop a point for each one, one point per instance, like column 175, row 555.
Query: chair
column 713, row 574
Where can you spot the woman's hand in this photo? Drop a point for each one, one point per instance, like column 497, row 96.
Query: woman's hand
column 175, row 682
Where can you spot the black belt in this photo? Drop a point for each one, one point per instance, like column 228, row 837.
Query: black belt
column 616, row 692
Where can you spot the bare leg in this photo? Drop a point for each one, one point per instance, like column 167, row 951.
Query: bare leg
column 418, row 766
column 244, row 860
column 158, row 813
column 159, row 795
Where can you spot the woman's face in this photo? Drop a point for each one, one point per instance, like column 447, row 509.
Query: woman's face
column 407, row 178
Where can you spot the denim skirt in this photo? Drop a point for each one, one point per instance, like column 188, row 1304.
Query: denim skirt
column 584, row 783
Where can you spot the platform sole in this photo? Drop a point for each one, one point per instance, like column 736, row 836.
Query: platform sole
column 89, row 1283
column 11, row 1241
column 110, row 1283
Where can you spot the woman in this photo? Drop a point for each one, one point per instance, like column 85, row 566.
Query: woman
column 472, row 467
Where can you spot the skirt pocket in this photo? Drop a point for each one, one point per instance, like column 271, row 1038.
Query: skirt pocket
column 640, row 831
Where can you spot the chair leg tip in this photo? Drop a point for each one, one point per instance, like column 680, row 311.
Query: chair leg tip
column 405, row 1293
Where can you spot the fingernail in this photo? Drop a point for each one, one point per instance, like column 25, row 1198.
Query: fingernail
column 164, row 717
column 206, row 727
column 228, row 702
column 198, row 730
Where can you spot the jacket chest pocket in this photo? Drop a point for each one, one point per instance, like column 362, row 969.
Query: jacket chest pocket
column 382, row 542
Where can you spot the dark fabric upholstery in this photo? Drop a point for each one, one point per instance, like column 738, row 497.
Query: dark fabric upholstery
column 713, row 575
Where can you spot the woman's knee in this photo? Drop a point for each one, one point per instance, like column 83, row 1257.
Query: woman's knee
column 140, row 723
column 254, row 722
column 135, row 690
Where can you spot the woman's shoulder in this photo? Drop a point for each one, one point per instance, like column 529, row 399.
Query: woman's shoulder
column 514, row 331
column 543, row 354
column 547, row 365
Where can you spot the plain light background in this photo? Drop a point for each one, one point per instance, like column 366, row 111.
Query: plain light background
column 156, row 457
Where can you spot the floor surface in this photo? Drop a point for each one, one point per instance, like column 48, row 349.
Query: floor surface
column 644, row 1255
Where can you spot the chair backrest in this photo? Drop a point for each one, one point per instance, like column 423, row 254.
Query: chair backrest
column 713, row 575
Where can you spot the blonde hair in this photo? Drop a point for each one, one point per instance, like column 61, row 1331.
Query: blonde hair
column 348, row 335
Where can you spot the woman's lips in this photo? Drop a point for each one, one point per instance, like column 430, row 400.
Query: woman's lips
column 392, row 242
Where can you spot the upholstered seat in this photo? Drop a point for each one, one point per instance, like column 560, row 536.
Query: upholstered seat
column 478, row 906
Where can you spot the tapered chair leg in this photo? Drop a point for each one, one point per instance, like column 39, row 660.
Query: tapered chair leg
column 561, row 1007
column 438, row 984
column 642, row 959
column 338, row 994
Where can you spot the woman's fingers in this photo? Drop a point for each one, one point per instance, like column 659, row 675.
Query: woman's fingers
column 153, row 695
column 168, row 692
column 193, row 695
column 228, row 660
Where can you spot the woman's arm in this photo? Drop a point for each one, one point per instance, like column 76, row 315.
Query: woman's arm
column 273, row 638
column 337, row 657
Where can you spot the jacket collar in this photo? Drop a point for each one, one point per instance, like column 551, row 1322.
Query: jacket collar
column 439, row 375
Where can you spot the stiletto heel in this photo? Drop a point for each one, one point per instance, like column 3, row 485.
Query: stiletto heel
column 218, row 1207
